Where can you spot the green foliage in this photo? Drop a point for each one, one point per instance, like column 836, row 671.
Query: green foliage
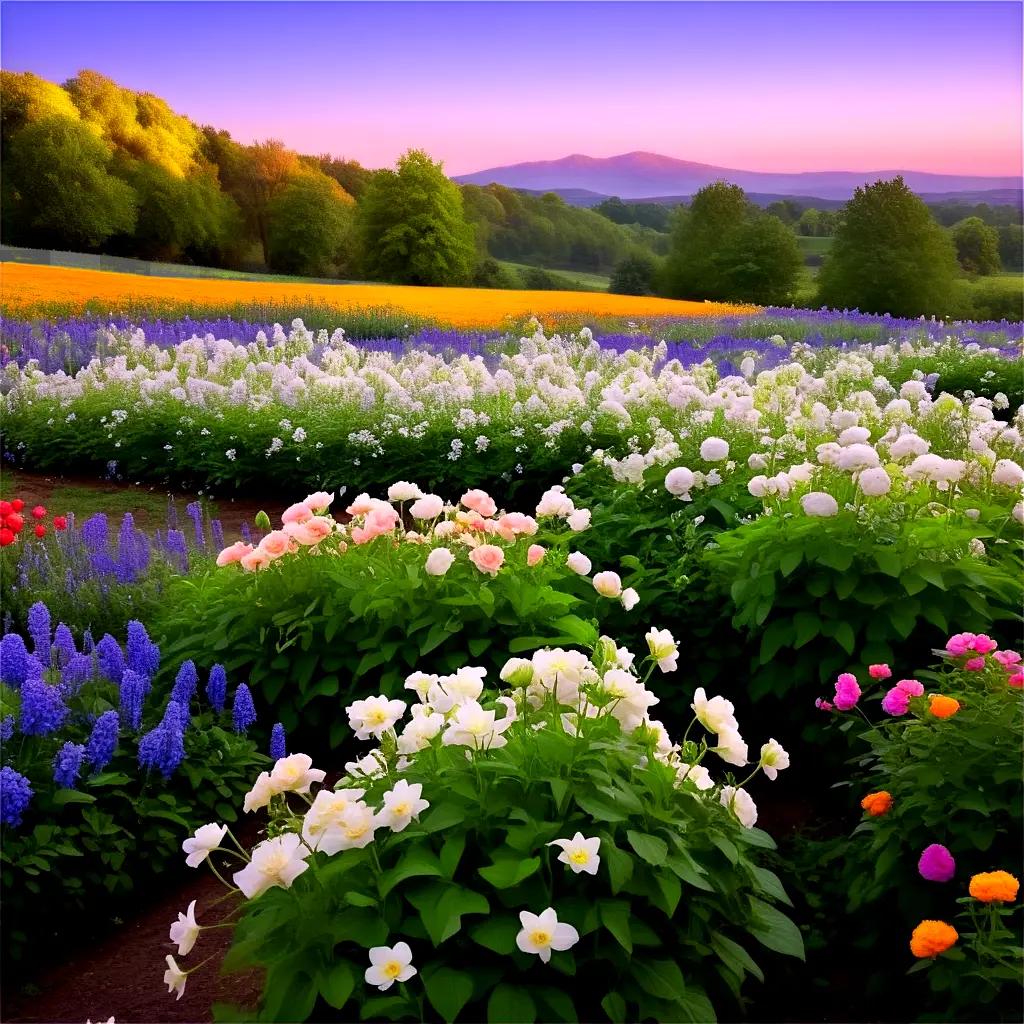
column 58, row 188
column 310, row 226
column 26, row 98
column 1011, row 247
column 977, row 246
column 665, row 926
column 889, row 255
column 760, row 261
column 412, row 226
column 651, row 215
column 635, row 275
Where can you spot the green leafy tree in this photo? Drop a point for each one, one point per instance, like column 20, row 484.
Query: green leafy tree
column 412, row 226
column 760, row 261
column 310, row 226
column 1011, row 247
column 635, row 275
column 25, row 98
column 788, row 211
column 889, row 255
column 58, row 190
column 977, row 246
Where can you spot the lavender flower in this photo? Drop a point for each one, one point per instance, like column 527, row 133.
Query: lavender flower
column 133, row 692
column 185, row 684
column 243, row 712
column 110, row 658
column 63, row 646
column 99, row 751
column 142, row 655
column 195, row 513
column 95, row 532
column 217, row 532
column 246, row 533
column 13, row 660
column 177, row 548
column 217, row 687
column 67, row 765
column 15, row 795
column 42, row 709
column 40, row 631
column 87, row 642
column 163, row 748
column 6, row 728
column 277, row 743
column 75, row 674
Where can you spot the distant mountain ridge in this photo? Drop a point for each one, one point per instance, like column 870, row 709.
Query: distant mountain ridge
column 643, row 175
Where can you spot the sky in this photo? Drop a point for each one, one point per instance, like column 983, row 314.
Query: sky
column 758, row 86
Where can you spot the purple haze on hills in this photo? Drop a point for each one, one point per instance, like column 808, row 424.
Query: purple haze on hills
column 642, row 175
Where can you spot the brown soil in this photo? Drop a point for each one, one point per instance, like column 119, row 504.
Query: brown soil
column 122, row 975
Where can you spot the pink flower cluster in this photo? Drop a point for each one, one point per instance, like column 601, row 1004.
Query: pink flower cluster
column 302, row 525
column 897, row 701
column 974, row 647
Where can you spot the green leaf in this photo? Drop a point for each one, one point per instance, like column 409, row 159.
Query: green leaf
column 770, row 883
column 497, row 934
column 337, row 983
column 735, row 957
column 660, row 978
column 72, row 796
column 511, row 1004
column 649, row 848
column 671, row 890
column 504, row 874
column 359, row 899
column 615, row 916
column 889, row 562
column 773, row 929
column 597, row 808
column 448, row 990
column 451, row 853
column 615, row 1006
column 415, row 862
column 441, row 907
column 789, row 561
column 620, row 864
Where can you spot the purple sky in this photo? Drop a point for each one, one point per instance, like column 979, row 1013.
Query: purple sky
column 762, row 86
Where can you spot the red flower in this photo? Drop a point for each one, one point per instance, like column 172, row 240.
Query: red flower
column 14, row 522
column 5, row 509
column 6, row 537
column 17, row 504
column 39, row 512
column 60, row 522
column 40, row 530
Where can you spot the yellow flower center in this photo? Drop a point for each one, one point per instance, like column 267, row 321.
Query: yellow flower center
column 376, row 717
column 579, row 857
column 392, row 969
column 355, row 831
column 540, row 938
column 402, row 808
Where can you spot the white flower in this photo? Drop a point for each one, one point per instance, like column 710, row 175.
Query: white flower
column 731, row 748
column 1007, row 473
column 757, row 462
column 389, row 964
column 908, row 444
column 679, row 481
column 472, row 726
column 295, row 774
column 420, row 683
column 631, row 697
column 430, row 506
column 697, row 774
column 374, row 715
column 174, row 977
column 579, row 520
column 260, row 794
column 741, row 804
column 579, row 853
column 716, row 714
column 185, row 931
column 439, row 561
column 425, row 725
column 714, row 449
column 402, row 490
column 1018, row 512
column 819, row 505
column 543, row 932
column 874, row 482
column 402, row 805
column 555, row 502
column 275, row 862
column 663, row 648
column 629, row 599
column 205, row 840
column 758, row 485
column 326, row 811
column 773, row 758
column 976, row 548
column 608, row 584
column 578, row 562
column 517, row 672
column 353, row 829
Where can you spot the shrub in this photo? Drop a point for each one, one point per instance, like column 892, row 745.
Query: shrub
column 368, row 599
column 454, row 886
column 95, row 771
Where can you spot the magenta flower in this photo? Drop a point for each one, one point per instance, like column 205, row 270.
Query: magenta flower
column 983, row 644
column 822, row 705
column 896, row 702
column 911, row 687
column 960, row 643
column 974, row 664
column 879, row 671
column 847, row 692
column 1007, row 658
column 936, row 863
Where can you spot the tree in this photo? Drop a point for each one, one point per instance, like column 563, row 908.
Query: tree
column 1011, row 247
column 25, row 98
column 58, row 190
column 787, row 210
column 349, row 174
column 977, row 246
column 310, row 226
column 889, row 255
column 760, row 261
column 691, row 271
column 259, row 173
column 412, row 227
column 635, row 275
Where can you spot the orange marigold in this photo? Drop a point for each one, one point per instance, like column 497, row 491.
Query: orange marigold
column 994, row 887
column 943, row 707
column 930, row 938
column 877, row 804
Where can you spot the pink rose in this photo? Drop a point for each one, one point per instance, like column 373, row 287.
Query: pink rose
column 974, row 664
column 911, row 687
column 275, row 544
column 1007, row 658
column 847, row 692
column 879, row 671
column 254, row 561
column 487, row 558
column 361, row 505
column 514, row 523
column 479, row 501
column 319, row 501
column 312, row 532
column 983, row 644
column 297, row 513
column 235, row 553
column 960, row 643
column 535, row 554
column 1016, row 680
column 896, row 702
column 822, row 705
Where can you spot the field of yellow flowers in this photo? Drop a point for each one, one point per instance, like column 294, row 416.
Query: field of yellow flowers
column 28, row 289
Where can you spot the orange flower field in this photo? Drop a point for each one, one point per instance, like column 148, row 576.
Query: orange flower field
column 26, row 288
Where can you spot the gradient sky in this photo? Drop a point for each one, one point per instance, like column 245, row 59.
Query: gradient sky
column 760, row 86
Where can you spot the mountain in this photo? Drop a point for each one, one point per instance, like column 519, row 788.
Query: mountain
column 648, row 175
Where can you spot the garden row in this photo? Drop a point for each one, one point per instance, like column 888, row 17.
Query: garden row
column 557, row 790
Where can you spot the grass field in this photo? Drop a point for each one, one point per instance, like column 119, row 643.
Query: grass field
column 579, row 279
column 30, row 290
column 814, row 246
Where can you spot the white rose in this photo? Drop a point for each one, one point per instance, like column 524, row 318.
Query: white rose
column 578, row 562
column 402, row 490
column 430, row 506
column 579, row 520
column 608, row 584
column 714, row 449
column 819, row 505
column 439, row 561
column 679, row 481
